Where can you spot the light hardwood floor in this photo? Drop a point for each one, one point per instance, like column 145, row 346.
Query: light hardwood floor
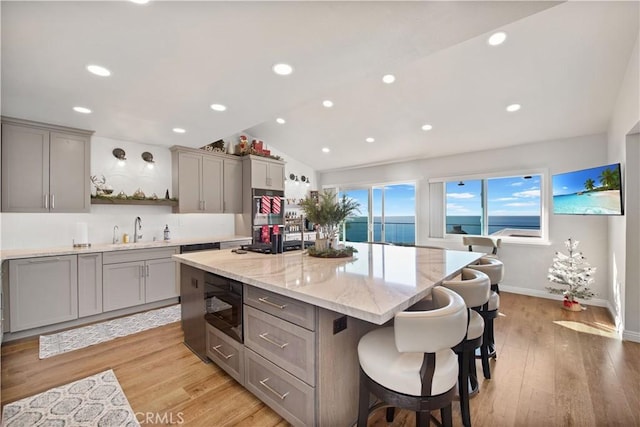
column 554, row 368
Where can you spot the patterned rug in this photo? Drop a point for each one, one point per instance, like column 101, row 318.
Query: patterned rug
column 74, row 339
column 97, row 400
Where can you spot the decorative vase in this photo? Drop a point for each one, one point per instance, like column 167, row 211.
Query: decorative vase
column 571, row 305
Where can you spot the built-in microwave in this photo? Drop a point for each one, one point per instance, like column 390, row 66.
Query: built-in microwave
column 223, row 303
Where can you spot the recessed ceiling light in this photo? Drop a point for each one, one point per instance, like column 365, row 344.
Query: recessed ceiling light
column 513, row 107
column 282, row 69
column 218, row 107
column 98, row 70
column 497, row 38
column 83, row 110
column 325, row 150
column 281, row 121
column 139, row 1
column 427, row 127
column 179, row 130
column 327, row 103
column 388, row 78
column 370, row 139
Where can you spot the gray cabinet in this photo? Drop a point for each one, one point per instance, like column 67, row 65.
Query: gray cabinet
column 199, row 181
column 264, row 173
column 193, row 309
column 89, row 284
column 123, row 285
column 280, row 354
column 160, row 280
column 42, row 291
column 45, row 168
column 232, row 186
column 135, row 277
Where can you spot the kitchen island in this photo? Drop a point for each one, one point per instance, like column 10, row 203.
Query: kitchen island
column 305, row 366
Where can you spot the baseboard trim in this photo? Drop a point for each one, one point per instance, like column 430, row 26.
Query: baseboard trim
column 631, row 336
column 598, row 302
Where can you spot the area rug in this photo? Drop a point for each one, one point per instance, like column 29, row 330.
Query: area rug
column 97, row 400
column 74, row 339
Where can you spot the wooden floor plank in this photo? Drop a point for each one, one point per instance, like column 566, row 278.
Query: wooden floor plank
column 554, row 368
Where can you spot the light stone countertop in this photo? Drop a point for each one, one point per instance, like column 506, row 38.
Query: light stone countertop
column 374, row 285
column 107, row 247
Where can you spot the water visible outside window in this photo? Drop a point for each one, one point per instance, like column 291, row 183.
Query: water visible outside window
column 512, row 207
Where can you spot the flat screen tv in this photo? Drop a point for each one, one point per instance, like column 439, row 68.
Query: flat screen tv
column 595, row 191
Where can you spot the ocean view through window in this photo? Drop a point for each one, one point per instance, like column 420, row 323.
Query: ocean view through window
column 503, row 206
column 387, row 214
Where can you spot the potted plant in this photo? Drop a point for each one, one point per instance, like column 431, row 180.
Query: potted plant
column 328, row 213
column 574, row 274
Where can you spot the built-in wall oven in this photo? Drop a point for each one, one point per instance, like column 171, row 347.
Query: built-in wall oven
column 223, row 305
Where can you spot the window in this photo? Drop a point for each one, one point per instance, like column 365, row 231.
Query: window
column 387, row 214
column 498, row 206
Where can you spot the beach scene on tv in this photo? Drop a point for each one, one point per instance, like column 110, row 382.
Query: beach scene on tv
column 594, row 191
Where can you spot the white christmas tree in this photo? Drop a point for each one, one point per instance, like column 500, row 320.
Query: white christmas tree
column 572, row 272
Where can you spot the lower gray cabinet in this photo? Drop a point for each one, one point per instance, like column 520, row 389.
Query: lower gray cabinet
column 42, row 291
column 89, row 284
column 138, row 276
column 284, row 393
column 123, row 285
column 160, row 281
column 226, row 352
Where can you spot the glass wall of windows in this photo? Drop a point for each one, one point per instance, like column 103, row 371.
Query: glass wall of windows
column 500, row 206
column 387, row 214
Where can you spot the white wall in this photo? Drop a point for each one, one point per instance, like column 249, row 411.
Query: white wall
column 526, row 265
column 20, row 230
column 622, row 246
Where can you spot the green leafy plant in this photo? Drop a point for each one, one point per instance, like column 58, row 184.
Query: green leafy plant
column 329, row 212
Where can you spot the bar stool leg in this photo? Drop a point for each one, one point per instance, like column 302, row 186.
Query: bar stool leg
column 363, row 402
column 463, row 387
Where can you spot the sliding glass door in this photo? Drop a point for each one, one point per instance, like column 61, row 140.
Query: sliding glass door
column 387, row 214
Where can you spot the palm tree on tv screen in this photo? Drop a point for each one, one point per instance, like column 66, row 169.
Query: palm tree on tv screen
column 609, row 179
column 589, row 184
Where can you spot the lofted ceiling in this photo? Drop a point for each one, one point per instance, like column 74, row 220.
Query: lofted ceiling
column 170, row 60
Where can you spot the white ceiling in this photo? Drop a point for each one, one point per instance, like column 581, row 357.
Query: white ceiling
column 171, row 59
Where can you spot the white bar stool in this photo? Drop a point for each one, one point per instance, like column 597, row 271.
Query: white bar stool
column 411, row 365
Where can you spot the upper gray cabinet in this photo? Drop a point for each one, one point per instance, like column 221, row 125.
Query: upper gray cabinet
column 267, row 174
column 45, row 168
column 206, row 183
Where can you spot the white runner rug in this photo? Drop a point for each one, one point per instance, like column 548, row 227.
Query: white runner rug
column 97, row 400
column 74, row 339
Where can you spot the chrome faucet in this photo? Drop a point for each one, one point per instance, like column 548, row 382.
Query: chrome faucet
column 116, row 232
column 137, row 227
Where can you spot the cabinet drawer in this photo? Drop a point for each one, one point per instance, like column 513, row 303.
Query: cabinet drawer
column 284, row 393
column 227, row 353
column 137, row 255
column 285, row 344
column 298, row 312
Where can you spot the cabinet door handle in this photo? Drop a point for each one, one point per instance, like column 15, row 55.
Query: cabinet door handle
column 53, row 201
column 204, row 205
column 272, row 304
column 263, row 383
column 194, row 283
column 142, row 271
column 265, row 337
column 226, row 356
column 46, row 201
column 147, row 270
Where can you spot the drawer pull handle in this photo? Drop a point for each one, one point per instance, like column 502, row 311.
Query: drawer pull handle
column 264, row 384
column 226, row 357
column 266, row 301
column 265, row 337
